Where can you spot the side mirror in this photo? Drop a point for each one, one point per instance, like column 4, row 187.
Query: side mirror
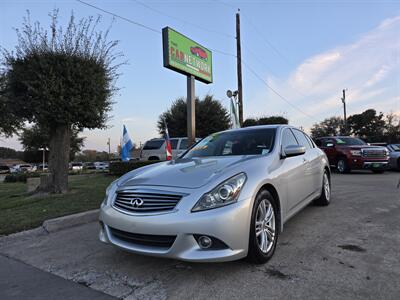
column 293, row 150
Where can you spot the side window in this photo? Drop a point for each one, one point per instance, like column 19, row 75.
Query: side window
column 288, row 138
column 174, row 143
column 318, row 142
column 302, row 139
column 184, row 144
column 309, row 140
column 326, row 142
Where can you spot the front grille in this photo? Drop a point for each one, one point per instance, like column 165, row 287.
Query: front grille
column 162, row 241
column 139, row 202
column 374, row 153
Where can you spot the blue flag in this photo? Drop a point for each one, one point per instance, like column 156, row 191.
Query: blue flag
column 126, row 146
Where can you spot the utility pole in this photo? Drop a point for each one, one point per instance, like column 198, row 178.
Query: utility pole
column 109, row 149
column 239, row 67
column 344, row 111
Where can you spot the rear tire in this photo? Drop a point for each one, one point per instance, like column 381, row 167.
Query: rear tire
column 342, row 166
column 325, row 197
column 264, row 228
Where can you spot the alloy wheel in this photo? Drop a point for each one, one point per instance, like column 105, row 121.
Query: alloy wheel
column 265, row 226
column 327, row 187
column 341, row 166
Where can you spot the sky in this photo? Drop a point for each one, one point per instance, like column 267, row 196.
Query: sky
column 298, row 56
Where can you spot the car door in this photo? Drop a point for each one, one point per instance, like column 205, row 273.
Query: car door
column 313, row 164
column 293, row 170
column 328, row 146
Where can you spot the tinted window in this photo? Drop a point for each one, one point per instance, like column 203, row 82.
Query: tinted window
column 184, row 144
column 325, row 142
column 288, row 138
column 349, row 141
column 309, row 140
column 152, row 145
column 241, row 142
column 174, row 143
column 318, row 142
column 301, row 138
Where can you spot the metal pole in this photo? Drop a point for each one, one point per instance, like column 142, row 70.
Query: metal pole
column 191, row 115
column 109, row 149
column 239, row 68
column 344, row 111
column 43, row 158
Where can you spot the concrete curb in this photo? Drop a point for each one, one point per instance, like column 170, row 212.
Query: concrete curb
column 58, row 224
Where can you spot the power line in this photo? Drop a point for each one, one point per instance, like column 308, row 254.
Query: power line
column 215, row 50
column 276, row 92
column 258, row 32
column 183, row 20
column 142, row 25
column 120, row 17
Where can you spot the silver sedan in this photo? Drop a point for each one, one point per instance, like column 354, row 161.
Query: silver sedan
column 226, row 198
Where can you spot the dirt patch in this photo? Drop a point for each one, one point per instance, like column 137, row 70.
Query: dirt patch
column 353, row 248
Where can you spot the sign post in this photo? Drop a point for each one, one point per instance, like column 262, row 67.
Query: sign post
column 191, row 110
column 187, row 57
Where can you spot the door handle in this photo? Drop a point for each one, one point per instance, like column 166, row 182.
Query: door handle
column 305, row 161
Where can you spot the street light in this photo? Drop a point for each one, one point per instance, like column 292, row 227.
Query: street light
column 234, row 105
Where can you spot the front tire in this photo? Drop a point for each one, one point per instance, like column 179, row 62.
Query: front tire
column 264, row 228
column 325, row 197
column 342, row 166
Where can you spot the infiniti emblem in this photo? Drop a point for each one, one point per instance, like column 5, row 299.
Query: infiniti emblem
column 137, row 202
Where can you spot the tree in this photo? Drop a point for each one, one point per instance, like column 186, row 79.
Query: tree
column 211, row 117
column 368, row 125
column 328, row 127
column 392, row 128
column 35, row 138
column 265, row 121
column 61, row 80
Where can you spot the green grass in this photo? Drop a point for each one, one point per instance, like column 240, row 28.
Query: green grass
column 20, row 212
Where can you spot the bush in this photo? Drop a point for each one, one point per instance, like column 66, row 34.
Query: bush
column 21, row 177
column 119, row 168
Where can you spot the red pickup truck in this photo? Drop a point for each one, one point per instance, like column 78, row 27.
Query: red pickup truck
column 349, row 153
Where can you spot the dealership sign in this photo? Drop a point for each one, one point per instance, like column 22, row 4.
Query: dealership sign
column 185, row 56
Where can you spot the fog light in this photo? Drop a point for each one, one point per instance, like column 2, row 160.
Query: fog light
column 205, row 242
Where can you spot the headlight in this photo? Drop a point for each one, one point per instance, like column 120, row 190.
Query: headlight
column 110, row 191
column 355, row 152
column 225, row 193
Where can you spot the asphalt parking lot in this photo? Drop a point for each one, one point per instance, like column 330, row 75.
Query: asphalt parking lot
column 348, row 250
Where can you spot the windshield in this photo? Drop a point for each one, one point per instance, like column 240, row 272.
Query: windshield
column 349, row 141
column 243, row 142
column 396, row 147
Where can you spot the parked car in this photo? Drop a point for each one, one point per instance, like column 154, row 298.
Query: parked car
column 101, row 165
column 394, row 156
column 155, row 149
column 21, row 168
column 89, row 166
column 4, row 170
column 226, row 198
column 349, row 153
column 76, row 166
column 41, row 167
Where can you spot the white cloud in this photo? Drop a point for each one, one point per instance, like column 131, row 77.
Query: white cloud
column 369, row 68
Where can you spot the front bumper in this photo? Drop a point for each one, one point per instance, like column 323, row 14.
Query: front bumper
column 370, row 164
column 229, row 224
column 375, row 165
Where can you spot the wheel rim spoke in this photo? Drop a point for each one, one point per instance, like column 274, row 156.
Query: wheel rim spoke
column 265, row 226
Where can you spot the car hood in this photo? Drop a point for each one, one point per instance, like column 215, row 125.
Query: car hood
column 185, row 173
